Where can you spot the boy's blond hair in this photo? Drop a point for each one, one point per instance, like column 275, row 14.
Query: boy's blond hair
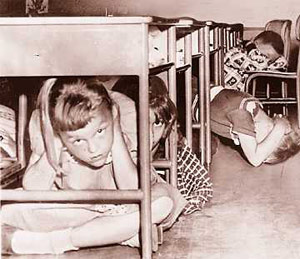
column 289, row 146
column 75, row 101
column 68, row 104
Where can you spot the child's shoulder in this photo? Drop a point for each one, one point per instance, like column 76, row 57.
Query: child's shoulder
column 120, row 98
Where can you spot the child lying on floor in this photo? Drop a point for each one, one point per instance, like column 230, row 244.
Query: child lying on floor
column 193, row 179
column 88, row 145
column 239, row 116
column 265, row 52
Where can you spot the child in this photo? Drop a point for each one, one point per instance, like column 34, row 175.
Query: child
column 86, row 149
column 239, row 116
column 265, row 52
column 193, row 180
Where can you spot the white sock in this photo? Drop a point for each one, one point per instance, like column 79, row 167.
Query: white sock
column 55, row 242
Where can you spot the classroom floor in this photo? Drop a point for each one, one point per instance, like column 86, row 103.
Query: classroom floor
column 255, row 214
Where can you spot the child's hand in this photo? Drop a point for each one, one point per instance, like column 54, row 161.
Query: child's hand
column 280, row 119
column 116, row 116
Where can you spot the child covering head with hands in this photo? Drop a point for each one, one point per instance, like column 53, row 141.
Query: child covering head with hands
column 240, row 117
column 83, row 138
column 193, row 179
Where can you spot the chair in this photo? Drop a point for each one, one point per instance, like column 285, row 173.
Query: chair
column 283, row 77
column 283, row 28
column 233, row 35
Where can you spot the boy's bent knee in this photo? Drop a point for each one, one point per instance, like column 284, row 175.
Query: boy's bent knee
column 159, row 190
column 161, row 208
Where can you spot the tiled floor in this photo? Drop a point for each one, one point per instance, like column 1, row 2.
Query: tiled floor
column 255, row 214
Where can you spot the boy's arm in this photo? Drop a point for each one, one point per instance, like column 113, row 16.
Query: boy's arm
column 39, row 174
column 255, row 152
column 125, row 170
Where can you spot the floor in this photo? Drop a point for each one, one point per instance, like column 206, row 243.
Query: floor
column 255, row 214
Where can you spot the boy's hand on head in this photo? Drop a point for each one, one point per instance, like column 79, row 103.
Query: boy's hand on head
column 288, row 127
column 58, row 145
column 280, row 119
column 115, row 111
column 116, row 116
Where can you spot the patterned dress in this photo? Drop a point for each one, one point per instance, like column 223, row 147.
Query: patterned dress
column 193, row 180
column 237, row 62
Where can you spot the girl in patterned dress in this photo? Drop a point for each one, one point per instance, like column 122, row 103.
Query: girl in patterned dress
column 193, row 179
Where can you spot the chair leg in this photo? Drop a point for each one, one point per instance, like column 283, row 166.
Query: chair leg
column 254, row 87
column 298, row 101
column 284, row 95
column 298, row 111
column 268, row 95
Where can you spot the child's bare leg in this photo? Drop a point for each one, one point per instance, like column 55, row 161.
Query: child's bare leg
column 115, row 229
column 97, row 232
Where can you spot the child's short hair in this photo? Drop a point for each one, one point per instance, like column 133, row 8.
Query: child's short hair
column 290, row 146
column 74, row 101
column 271, row 38
column 160, row 102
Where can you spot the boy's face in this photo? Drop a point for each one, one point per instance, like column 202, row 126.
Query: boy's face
column 91, row 144
column 157, row 129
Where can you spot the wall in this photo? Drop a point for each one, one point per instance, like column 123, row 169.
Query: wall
column 12, row 7
column 254, row 13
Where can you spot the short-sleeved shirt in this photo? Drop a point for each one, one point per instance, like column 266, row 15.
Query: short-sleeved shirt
column 232, row 112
